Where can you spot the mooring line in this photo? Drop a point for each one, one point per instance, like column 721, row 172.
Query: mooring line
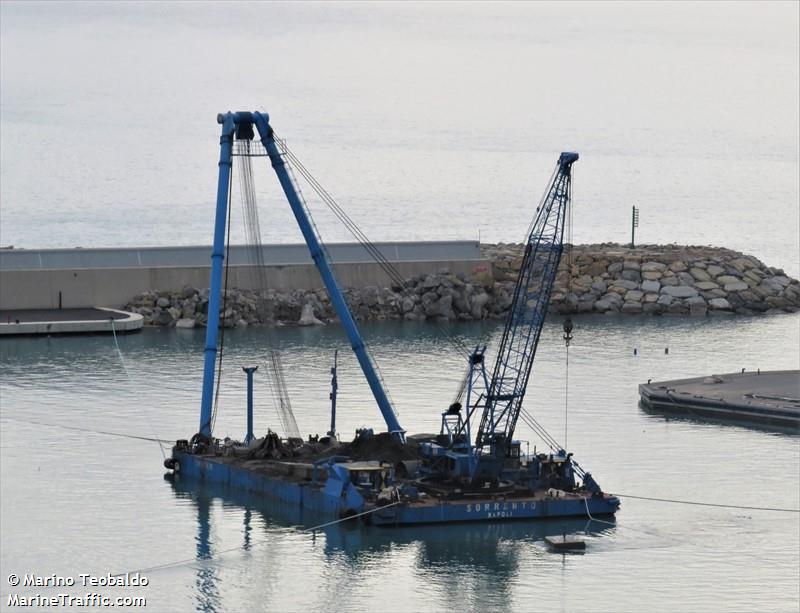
column 194, row 560
column 343, row 519
column 119, row 352
column 127, row 374
column 667, row 537
column 705, row 504
column 690, row 502
column 710, row 504
column 79, row 429
column 616, row 525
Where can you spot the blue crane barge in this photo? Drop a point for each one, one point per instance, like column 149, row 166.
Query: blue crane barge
column 392, row 478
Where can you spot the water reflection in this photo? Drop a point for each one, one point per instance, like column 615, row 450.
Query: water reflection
column 207, row 590
column 485, row 556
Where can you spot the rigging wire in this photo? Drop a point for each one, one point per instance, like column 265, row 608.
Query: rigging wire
column 280, row 396
column 539, row 206
column 461, row 387
column 292, row 161
column 255, row 255
column 252, row 226
column 351, row 226
column 532, row 423
column 389, row 269
column 252, row 221
column 310, row 217
column 286, row 405
column 274, row 393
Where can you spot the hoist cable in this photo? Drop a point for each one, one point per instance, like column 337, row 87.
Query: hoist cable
column 250, row 215
column 568, row 322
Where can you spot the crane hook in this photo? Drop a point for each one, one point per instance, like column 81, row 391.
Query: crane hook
column 567, row 330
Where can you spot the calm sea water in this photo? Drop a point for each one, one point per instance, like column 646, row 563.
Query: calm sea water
column 426, row 121
column 86, row 501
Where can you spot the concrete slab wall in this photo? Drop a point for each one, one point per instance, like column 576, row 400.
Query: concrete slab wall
column 239, row 255
column 39, row 288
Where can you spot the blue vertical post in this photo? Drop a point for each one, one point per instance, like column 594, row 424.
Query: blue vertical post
column 217, row 257
column 261, row 121
column 249, row 437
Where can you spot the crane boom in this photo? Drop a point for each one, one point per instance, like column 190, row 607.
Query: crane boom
column 240, row 126
column 537, row 274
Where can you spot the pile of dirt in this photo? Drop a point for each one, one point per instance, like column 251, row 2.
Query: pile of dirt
column 380, row 447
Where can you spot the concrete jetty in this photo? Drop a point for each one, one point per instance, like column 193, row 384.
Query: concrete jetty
column 68, row 321
column 112, row 277
column 771, row 397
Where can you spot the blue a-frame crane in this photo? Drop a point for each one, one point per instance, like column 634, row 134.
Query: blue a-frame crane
column 240, row 126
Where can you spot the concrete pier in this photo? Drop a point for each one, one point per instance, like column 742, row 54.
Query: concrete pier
column 771, row 397
column 68, row 321
column 77, row 278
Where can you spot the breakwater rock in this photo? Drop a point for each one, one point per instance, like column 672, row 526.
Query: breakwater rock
column 659, row 280
column 606, row 278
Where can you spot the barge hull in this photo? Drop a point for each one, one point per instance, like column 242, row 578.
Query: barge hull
column 494, row 510
column 298, row 494
column 312, row 497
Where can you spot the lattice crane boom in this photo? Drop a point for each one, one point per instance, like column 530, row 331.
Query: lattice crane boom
column 537, row 274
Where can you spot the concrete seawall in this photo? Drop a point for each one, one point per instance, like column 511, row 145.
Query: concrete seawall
column 77, row 278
